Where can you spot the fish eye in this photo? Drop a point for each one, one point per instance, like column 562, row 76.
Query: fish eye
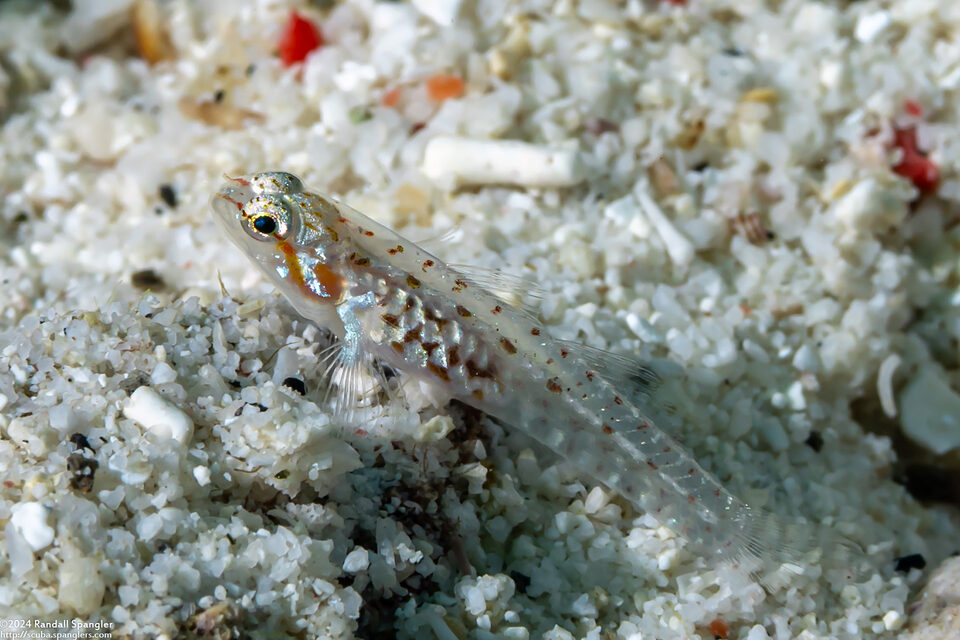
column 267, row 217
column 265, row 225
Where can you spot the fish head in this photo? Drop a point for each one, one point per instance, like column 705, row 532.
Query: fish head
column 289, row 233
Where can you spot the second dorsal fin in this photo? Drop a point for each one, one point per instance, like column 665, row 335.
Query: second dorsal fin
column 519, row 292
column 618, row 370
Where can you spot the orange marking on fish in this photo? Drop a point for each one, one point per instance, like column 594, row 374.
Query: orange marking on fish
column 330, row 280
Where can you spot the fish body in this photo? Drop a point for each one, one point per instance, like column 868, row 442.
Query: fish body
column 387, row 298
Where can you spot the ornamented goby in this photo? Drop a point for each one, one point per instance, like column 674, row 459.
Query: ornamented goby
column 389, row 300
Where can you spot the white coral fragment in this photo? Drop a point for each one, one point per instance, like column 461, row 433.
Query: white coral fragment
column 459, row 161
column 154, row 412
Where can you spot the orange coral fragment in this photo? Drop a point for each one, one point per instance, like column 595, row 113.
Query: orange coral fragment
column 391, row 98
column 443, row 87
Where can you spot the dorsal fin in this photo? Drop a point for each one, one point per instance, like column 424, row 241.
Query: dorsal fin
column 619, row 370
column 519, row 292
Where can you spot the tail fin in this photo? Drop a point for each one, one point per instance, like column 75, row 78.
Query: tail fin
column 773, row 550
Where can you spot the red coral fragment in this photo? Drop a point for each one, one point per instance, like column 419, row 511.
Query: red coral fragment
column 914, row 165
column 913, row 108
column 298, row 39
column 719, row 628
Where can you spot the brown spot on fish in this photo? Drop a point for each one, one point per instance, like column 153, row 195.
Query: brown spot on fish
column 553, row 384
column 508, row 346
column 642, row 426
column 477, row 393
column 564, row 353
column 459, row 285
column 362, row 262
column 667, row 449
column 333, row 233
column 453, row 356
column 391, row 320
column 497, row 309
column 691, row 499
column 476, row 372
column 431, row 315
column 342, row 220
column 410, row 303
column 427, row 264
column 438, row 371
column 607, row 429
column 430, row 346
column 413, row 282
column 589, row 375
column 691, row 472
column 369, row 234
column 397, row 346
column 716, row 493
column 550, row 361
column 651, row 465
column 617, row 400
column 463, row 312
column 413, row 335
column 534, row 332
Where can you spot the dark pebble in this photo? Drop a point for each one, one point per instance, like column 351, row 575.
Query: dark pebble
column 147, row 279
column 815, row 441
column 912, row 561
column 80, row 441
column 82, row 472
column 296, row 384
column 520, row 580
column 168, row 195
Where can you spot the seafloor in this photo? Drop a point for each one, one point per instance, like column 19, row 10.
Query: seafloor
column 762, row 193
